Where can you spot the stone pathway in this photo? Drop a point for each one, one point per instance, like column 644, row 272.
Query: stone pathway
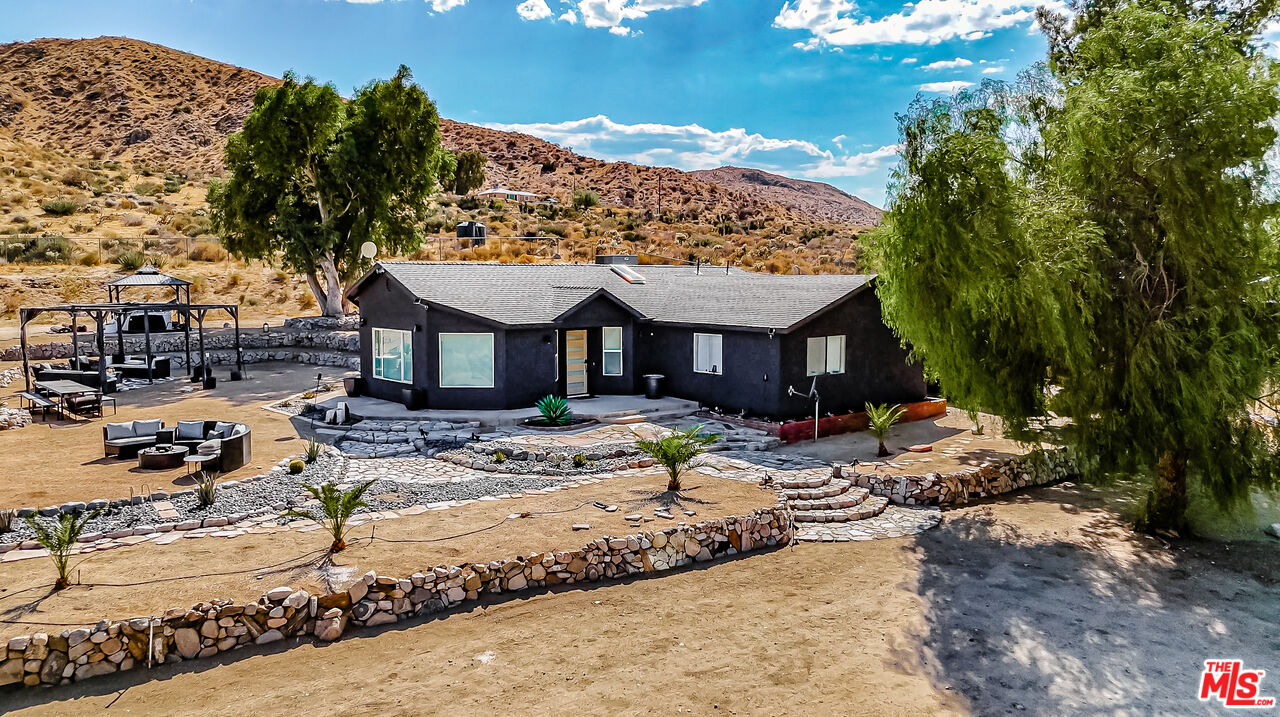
column 896, row 521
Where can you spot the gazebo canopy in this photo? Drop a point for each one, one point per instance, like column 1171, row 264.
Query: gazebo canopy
column 148, row 276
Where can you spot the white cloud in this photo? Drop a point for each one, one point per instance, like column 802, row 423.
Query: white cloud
column 620, row 30
column 993, row 70
column 695, row 147
column 948, row 64
column 838, row 139
column 927, row 22
column 948, row 86
column 533, row 10
column 614, row 15
column 570, row 17
column 910, row 60
column 445, row 5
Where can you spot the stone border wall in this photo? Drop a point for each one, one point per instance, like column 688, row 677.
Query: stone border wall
column 945, row 489
column 320, row 347
column 214, row 628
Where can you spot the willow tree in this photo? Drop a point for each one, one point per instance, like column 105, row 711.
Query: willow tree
column 312, row 178
column 1094, row 243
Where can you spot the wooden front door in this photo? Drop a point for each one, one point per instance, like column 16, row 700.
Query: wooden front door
column 575, row 363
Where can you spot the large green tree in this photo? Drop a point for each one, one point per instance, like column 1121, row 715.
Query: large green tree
column 1096, row 243
column 468, row 175
column 312, row 178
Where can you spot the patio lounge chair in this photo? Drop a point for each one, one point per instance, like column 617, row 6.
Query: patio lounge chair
column 233, row 447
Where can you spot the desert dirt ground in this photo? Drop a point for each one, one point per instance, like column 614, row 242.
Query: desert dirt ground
column 121, row 582
column 55, row 461
column 1041, row 603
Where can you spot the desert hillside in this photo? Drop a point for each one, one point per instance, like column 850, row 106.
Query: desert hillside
column 133, row 101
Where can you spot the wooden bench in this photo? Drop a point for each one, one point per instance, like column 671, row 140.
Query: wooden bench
column 33, row 401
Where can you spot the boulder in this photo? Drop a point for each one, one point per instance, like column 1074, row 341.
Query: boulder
column 187, row 640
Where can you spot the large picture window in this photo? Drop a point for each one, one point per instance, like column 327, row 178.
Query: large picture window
column 393, row 355
column 825, row 354
column 707, row 354
column 612, row 341
column 466, row 360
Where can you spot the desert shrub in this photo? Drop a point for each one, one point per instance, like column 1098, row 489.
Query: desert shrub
column 234, row 279
column 548, row 230
column 280, row 276
column 499, row 457
column 306, row 301
column 60, row 207
column 6, row 520
column 89, row 259
column 130, row 259
column 469, row 203
column 147, row 189
column 198, row 227
column 151, row 244
column 554, row 410
column 12, row 302
column 579, row 460
column 208, row 251
column 296, row 466
column 585, row 200
column 132, row 220
column 41, row 250
column 206, row 487
column 172, row 185
column 76, row 177
column 313, row 450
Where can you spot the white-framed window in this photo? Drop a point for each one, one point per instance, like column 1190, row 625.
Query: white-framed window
column 611, row 339
column 466, row 360
column 393, row 355
column 708, row 354
column 825, row 354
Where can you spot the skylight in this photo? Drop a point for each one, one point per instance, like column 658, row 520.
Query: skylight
column 629, row 275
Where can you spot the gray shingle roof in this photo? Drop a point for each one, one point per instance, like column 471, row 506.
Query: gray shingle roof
column 521, row 294
column 148, row 276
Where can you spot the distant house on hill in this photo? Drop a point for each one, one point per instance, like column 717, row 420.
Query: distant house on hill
column 508, row 195
column 495, row 336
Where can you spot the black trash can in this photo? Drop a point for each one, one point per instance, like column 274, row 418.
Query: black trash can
column 653, row 385
column 211, row 382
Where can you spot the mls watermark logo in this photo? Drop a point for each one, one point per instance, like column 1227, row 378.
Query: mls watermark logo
column 1230, row 683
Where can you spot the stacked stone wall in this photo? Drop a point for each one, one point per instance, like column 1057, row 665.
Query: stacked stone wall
column 213, row 628
column 960, row 487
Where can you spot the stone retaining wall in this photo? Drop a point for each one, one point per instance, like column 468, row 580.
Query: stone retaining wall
column 317, row 347
column 944, row 489
column 212, row 628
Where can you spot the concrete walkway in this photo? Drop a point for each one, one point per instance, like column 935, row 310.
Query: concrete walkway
column 601, row 408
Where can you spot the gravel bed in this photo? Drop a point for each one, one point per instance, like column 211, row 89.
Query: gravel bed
column 601, row 458
column 278, row 491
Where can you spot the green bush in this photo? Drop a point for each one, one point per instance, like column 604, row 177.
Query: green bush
column 499, row 457
column 60, row 207
column 579, row 461
column 147, row 189
column 130, row 259
column 585, row 200
column 41, row 250
column 206, row 487
column 554, row 409
column 313, row 451
column 296, row 466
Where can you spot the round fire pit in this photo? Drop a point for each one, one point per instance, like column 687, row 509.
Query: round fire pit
column 161, row 457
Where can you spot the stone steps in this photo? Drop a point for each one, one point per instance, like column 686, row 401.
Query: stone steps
column 830, row 489
column 868, row 508
column 803, row 481
column 849, row 499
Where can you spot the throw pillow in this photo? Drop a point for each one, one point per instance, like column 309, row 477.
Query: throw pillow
column 190, row 430
column 116, row 431
column 147, row 428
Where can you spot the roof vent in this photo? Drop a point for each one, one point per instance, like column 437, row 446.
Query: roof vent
column 629, row 275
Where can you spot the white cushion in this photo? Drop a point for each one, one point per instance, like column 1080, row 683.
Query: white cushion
column 224, row 429
column 190, row 430
column 239, row 430
column 147, row 428
column 116, row 431
column 209, row 448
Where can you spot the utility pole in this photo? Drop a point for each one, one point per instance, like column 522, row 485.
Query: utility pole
column 659, row 195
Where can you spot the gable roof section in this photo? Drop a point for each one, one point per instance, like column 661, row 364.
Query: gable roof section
column 539, row 294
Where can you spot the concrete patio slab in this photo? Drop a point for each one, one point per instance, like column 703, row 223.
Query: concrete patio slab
column 605, row 409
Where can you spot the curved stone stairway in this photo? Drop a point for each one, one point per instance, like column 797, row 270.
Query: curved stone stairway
column 818, row 497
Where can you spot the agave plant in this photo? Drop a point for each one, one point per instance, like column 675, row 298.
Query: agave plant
column 336, row 508
column 882, row 418
column 677, row 452
column 60, row 540
column 206, row 487
column 555, row 410
column 313, row 450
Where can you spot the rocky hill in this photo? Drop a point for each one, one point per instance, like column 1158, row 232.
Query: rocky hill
column 135, row 101
column 811, row 198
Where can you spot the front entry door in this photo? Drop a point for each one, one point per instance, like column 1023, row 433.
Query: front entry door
column 575, row 363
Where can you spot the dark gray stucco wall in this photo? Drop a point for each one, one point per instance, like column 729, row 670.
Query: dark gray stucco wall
column 876, row 367
column 747, row 380
column 385, row 304
column 592, row 316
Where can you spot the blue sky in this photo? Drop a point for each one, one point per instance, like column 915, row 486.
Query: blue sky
column 806, row 88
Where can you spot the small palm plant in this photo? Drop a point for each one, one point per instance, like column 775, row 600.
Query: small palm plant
column 882, row 418
column 677, row 452
column 206, row 487
column 336, row 508
column 555, row 410
column 60, row 540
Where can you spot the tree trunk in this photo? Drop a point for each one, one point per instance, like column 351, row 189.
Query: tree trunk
column 331, row 305
column 881, row 449
column 1167, row 500
column 316, row 289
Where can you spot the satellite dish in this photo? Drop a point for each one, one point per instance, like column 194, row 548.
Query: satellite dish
column 368, row 250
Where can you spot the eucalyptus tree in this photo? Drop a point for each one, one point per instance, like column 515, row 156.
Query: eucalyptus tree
column 311, row 178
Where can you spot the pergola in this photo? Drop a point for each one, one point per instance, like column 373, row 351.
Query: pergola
column 100, row 312
column 149, row 276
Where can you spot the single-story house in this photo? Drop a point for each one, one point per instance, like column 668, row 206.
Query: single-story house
column 509, row 195
column 494, row 336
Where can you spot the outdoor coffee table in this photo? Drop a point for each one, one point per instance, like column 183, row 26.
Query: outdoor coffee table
column 197, row 460
column 161, row 457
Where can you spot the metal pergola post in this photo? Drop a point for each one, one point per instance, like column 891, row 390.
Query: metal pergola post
column 146, row 334
column 235, row 314
column 24, row 317
column 102, row 352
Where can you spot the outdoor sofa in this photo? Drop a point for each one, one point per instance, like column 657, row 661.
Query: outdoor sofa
column 231, row 442
column 46, row 372
column 124, row 440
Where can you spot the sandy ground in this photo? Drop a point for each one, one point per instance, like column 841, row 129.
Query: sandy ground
column 120, row 583
column 954, row 446
column 59, row 460
column 1040, row 604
